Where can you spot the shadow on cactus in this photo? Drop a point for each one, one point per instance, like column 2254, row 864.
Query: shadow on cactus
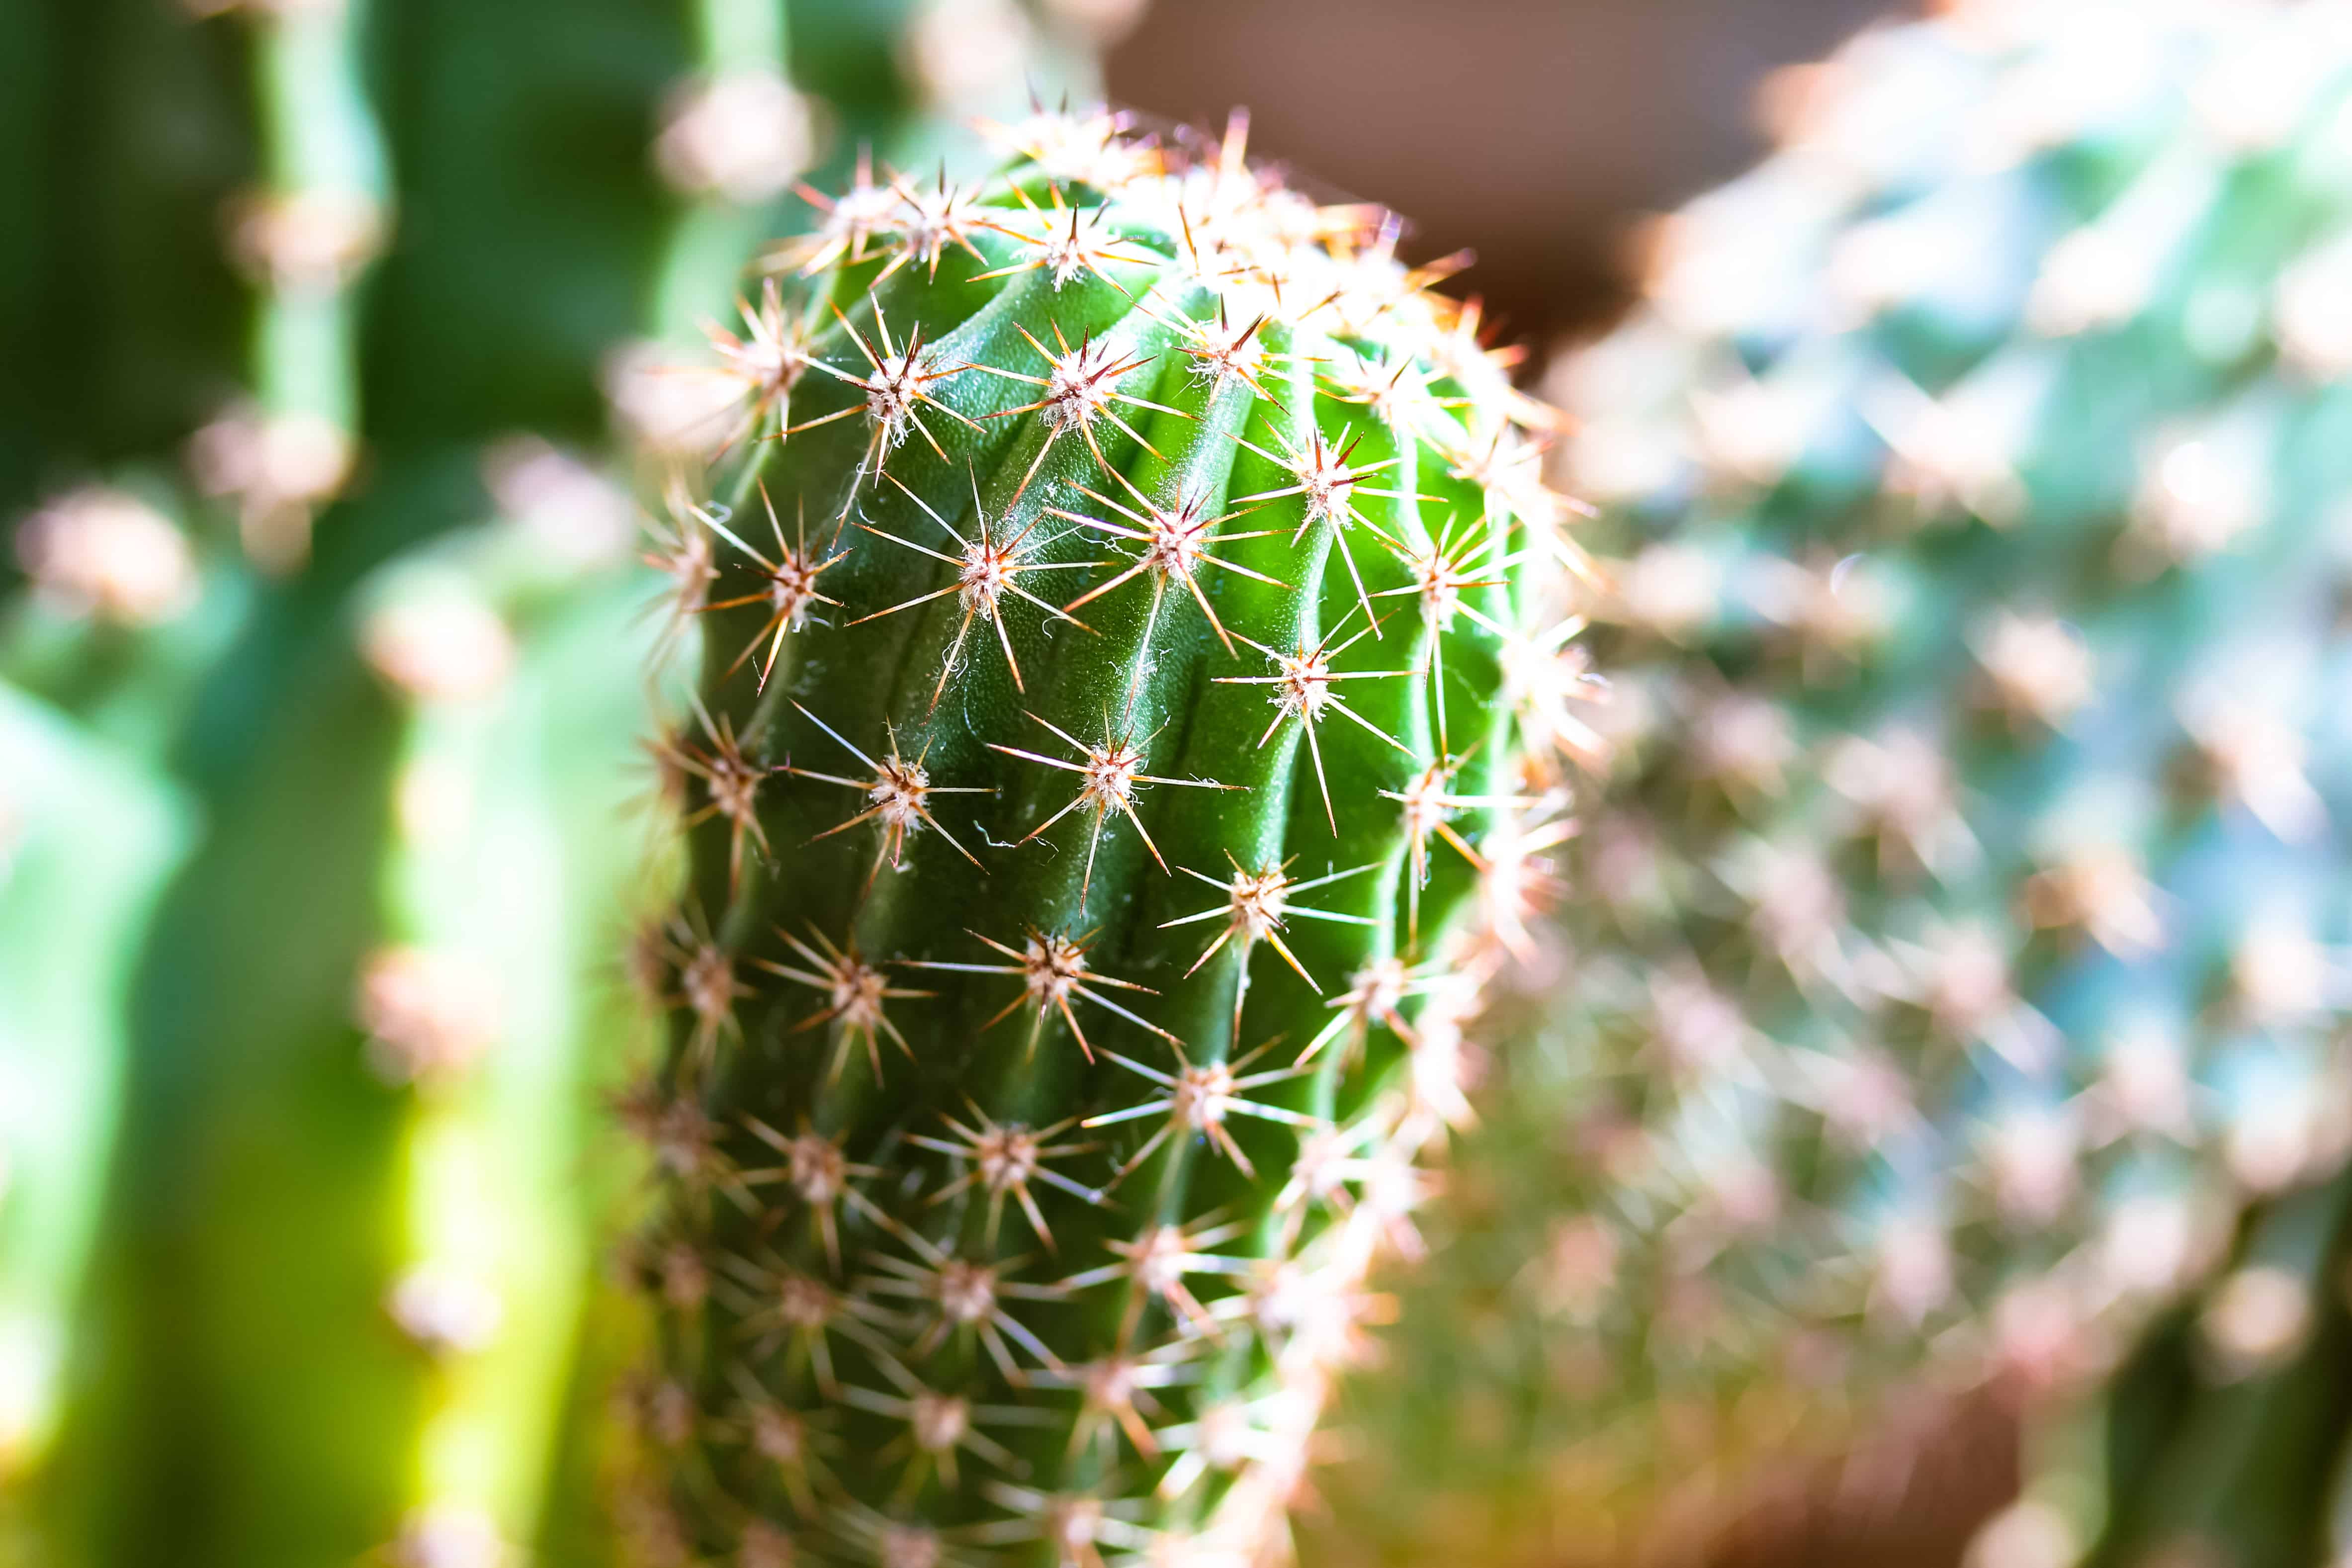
column 1122, row 754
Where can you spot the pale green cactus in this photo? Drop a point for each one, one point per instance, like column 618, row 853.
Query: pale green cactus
column 330, row 256
column 390, row 1050
column 87, row 841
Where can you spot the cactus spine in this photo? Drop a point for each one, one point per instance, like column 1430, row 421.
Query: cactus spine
column 1108, row 797
column 1966, row 948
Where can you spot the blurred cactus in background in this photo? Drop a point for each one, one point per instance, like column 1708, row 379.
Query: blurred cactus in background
column 1122, row 756
column 1958, row 951
column 353, row 1224
column 1946, row 1006
column 293, row 296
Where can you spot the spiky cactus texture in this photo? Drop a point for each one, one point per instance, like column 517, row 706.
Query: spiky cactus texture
column 1125, row 744
column 1961, row 940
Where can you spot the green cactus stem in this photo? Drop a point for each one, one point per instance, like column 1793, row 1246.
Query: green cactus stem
column 314, row 219
column 369, row 1074
column 340, row 1303
column 87, row 841
column 1110, row 787
column 2224, row 1432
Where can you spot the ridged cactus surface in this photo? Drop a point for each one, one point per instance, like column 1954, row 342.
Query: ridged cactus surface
column 1960, row 945
column 1111, row 785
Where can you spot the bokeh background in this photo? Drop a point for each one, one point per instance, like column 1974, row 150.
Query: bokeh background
column 1540, row 136
column 1534, row 132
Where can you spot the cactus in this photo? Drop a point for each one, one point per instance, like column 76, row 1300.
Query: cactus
column 1961, row 954
column 2224, row 1435
column 86, row 842
column 1123, row 750
column 338, row 253
column 124, row 611
column 410, row 1016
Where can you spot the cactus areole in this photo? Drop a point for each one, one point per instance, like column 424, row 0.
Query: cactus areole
column 1131, row 730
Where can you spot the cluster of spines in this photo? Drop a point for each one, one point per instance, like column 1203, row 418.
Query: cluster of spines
column 1212, row 1326
column 740, row 144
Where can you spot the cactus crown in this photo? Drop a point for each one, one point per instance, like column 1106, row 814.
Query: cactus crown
column 1110, row 770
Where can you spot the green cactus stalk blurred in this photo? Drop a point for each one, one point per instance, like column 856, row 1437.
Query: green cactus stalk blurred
column 347, row 1301
column 344, row 252
column 2225, row 1434
column 1962, row 952
column 87, row 840
column 1122, row 753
